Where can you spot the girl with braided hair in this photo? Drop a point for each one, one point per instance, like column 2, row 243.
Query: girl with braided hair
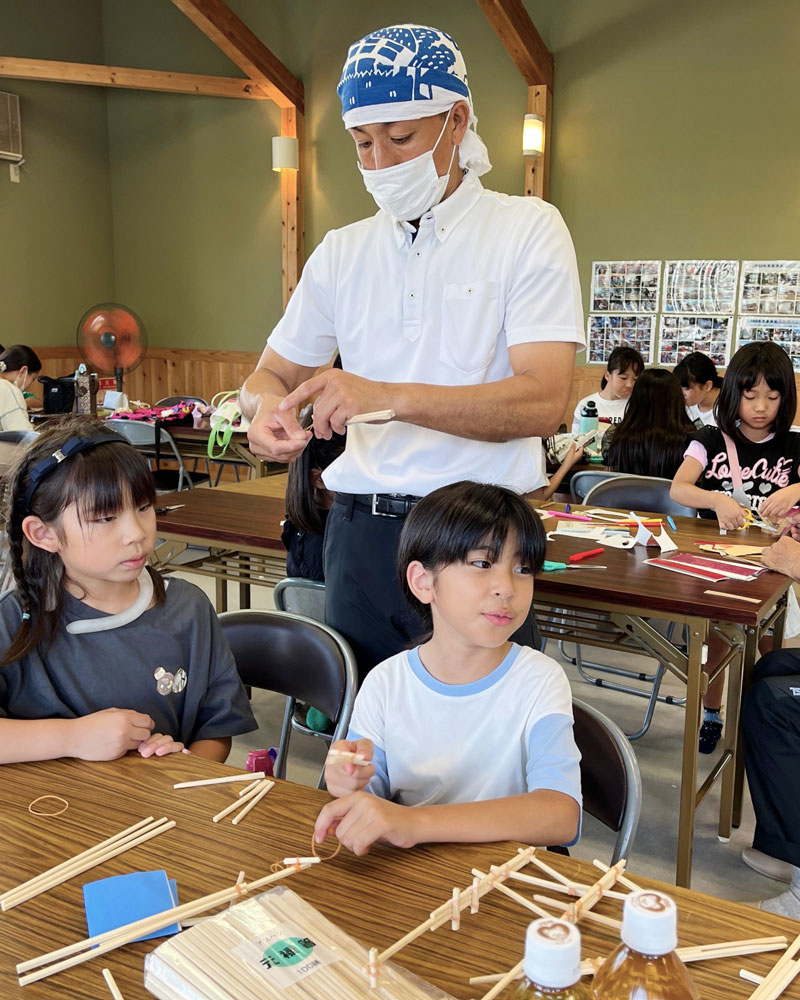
column 99, row 655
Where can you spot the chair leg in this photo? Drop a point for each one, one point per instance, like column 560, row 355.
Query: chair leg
column 279, row 770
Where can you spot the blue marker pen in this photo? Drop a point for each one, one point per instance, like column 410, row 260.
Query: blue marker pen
column 566, row 509
column 671, row 523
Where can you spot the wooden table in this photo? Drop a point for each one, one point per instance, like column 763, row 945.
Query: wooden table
column 630, row 593
column 192, row 443
column 376, row 898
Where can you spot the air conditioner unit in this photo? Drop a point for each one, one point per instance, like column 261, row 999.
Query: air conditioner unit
column 10, row 129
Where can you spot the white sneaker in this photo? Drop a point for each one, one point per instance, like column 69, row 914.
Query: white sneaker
column 762, row 863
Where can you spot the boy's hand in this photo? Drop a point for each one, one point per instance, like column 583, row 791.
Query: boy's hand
column 111, row 733
column 729, row 512
column 159, row 745
column 360, row 819
column 343, row 777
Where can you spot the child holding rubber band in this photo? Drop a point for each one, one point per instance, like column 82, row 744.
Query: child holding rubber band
column 468, row 736
column 99, row 655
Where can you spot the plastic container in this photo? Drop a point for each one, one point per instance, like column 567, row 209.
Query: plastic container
column 552, row 963
column 645, row 966
column 589, row 418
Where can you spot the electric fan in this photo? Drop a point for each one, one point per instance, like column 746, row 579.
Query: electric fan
column 112, row 340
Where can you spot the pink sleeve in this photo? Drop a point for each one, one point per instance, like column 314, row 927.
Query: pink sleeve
column 698, row 452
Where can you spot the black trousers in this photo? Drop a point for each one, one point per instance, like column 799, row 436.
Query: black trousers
column 771, row 737
column 363, row 598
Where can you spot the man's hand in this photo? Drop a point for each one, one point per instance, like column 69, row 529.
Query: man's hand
column 342, row 777
column 275, row 434
column 111, row 733
column 359, row 820
column 784, row 557
column 159, row 745
column 339, row 396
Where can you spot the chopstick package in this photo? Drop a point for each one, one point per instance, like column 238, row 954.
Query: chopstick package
column 273, row 945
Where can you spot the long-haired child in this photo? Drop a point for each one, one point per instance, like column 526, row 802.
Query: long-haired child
column 623, row 367
column 99, row 655
column 751, row 459
column 469, row 735
column 700, row 383
column 651, row 438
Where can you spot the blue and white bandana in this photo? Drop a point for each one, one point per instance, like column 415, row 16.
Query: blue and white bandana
column 405, row 72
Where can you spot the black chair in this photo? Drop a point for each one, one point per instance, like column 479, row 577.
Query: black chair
column 643, row 493
column 586, row 479
column 143, row 436
column 297, row 657
column 174, row 400
column 610, row 778
column 301, row 597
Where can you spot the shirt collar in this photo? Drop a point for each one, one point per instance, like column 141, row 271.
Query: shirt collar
column 445, row 216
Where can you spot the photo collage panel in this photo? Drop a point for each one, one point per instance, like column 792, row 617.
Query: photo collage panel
column 625, row 286
column 681, row 335
column 785, row 333
column 770, row 288
column 704, row 287
column 620, row 330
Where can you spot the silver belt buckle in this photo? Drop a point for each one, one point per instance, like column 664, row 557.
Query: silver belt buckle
column 375, row 511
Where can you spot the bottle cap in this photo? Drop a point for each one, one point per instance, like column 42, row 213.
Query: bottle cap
column 552, row 953
column 650, row 922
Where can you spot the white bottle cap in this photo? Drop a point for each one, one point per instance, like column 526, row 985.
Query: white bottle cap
column 650, row 922
column 552, row 953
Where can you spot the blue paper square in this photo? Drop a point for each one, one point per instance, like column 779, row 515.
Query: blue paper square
column 122, row 899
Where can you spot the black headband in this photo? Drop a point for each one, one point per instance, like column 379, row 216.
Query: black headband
column 71, row 447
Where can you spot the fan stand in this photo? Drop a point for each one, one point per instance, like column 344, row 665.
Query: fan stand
column 118, row 377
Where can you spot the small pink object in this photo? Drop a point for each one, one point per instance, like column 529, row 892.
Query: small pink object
column 261, row 760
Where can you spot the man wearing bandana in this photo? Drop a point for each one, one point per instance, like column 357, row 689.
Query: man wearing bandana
column 456, row 307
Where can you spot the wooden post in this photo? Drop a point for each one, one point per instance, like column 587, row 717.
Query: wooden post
column 537, row 168
column 292, row 223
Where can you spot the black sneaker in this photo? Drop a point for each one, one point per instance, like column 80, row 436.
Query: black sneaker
column 710, row 733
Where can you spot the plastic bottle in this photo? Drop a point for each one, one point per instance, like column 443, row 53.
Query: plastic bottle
column 552, row 963
column 589, row 418
column 645, row 966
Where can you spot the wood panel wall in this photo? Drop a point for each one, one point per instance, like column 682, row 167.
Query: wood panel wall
column 166, row 371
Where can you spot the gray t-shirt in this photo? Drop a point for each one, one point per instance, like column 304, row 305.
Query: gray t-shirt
column 173, row 663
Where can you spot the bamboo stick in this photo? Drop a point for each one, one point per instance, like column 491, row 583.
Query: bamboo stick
column 784, row 965
column 501, row 984
column 237, row 803
column 253, row 801
column 113, row 989
column 506, row 891
column 70, row 871
column 596, row 918
column 78, row 857
column 622, row 879
column 227, row 779
column 100, row 944
column 574, row 889
column 594, row 893
column 536, row 860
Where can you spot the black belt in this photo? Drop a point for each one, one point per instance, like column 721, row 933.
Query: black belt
column 382, row 504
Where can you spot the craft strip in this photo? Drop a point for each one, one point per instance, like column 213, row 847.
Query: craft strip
column 101, row 944
column 249, row 776
column 81, row 863
column 375, row 417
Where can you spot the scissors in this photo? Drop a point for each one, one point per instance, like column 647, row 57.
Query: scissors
column 576, row 557
column 166, row 510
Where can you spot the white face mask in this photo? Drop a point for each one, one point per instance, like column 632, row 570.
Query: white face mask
column 408, row 190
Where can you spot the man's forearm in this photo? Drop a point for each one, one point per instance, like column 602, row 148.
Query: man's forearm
column 262, row 381
column 516, row 407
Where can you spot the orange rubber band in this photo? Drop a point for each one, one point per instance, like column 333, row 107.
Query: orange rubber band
column 36, row 812
column 330, row 856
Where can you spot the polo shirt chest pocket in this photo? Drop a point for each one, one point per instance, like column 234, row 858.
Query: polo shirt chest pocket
column 471, row 324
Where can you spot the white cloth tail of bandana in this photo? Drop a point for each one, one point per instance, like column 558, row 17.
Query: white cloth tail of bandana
column 409, row 71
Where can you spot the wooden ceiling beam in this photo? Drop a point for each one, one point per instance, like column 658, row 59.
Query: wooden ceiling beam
column 130, row 79
column 515, row 29
column 232, row 36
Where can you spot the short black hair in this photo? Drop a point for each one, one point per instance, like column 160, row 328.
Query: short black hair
column 620, row 360
column 748, row 365
column 451, row 522
column 696, row 368
column 20, row 356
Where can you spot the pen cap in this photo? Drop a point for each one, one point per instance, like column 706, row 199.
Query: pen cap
column 552, row 953
column 650, row 922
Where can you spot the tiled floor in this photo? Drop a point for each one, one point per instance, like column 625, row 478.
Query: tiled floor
column 718, row 868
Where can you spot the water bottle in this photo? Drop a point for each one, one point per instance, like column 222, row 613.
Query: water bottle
column 645, row 966
column 589, row 418
column 552, row 963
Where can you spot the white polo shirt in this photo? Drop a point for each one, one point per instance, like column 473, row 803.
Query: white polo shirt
column 486, row 271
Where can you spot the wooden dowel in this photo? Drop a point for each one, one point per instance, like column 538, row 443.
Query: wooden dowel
column 100, row 944
column 621, row 878
column 113, row 989
column 249, row 776
column 70, row 871
column 506, row 891
column 253, row 801
column 750, row 977
column 501, row 984
column 585, row 914
column 348, row 757
column 733, row 597
column 237, row 803
column 766, row 991
column 575, row 889
column 78, row 857
column 594, row 893
column 536, row 860
column 374, row 417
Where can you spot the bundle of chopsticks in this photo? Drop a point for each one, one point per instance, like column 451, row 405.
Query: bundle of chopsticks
column 134, row 835
column 248, row 797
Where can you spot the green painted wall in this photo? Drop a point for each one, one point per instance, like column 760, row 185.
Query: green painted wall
column 674, row 135
column 55, row 225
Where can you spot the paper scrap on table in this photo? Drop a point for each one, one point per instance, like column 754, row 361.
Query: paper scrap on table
column 665, row 542
column 643, row 536
column 616, row 538
column 121, row 899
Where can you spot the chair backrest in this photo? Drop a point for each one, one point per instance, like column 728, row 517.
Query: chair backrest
column 610, row 778
column 298, row 657
column 583, row 480
column 142, row 435
column 18, row 437
column 173, row 400
column 646, row 493
column 301, row 597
